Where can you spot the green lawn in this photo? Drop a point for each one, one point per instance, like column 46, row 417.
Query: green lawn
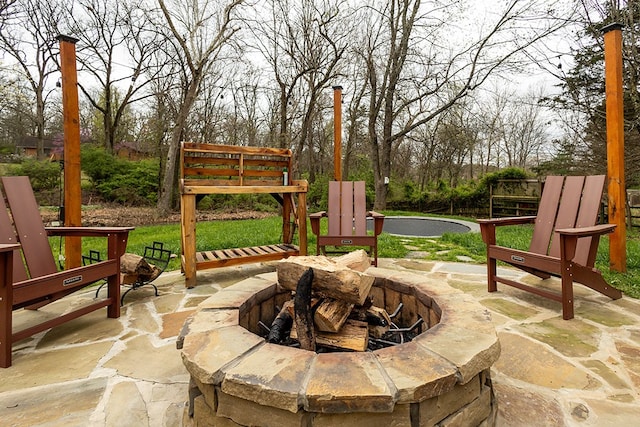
column 241, row 233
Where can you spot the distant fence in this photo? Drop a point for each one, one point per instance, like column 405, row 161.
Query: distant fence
column 514, row 197
column 521, row 197
column 633, row 203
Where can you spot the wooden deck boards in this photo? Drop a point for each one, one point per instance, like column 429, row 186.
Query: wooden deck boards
column 228, row 257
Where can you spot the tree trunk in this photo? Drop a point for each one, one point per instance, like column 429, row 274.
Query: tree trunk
column 40, row 123
column 282, row 137
column 168, row 180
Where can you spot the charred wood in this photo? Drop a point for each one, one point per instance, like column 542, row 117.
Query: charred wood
column 303, row 315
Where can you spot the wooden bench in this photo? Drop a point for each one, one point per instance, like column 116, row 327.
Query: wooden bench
column 224, row 169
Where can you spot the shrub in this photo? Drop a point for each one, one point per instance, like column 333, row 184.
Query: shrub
column 99, row 165
column 44, row 175
column 121, row 181
column 317, row 193
column 231, row 202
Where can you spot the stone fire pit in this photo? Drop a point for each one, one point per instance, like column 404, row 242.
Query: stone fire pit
column 441, row 377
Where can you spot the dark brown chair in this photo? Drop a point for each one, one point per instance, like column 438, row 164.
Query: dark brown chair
column 564, row 241
column 37, row 281
column 347, row 219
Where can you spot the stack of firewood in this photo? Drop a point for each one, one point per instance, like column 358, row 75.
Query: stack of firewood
column 330, row 305
column 136, row 269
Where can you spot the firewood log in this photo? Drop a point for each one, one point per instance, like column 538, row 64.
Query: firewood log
column 331, row 314
column 356, row 260
column 329, row 279
column 352, row 336
column 303, row 315
column 280, row 325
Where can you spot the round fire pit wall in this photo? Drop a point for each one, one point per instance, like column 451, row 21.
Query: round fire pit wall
column 441, row 377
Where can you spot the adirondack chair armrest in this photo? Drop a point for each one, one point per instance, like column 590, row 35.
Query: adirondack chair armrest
column 569, row 238
column 516, row 220
column 119, row 243
column 86, row 231
column 488, row 226
column 595, row 230
column 378, row 221
column 315, row 221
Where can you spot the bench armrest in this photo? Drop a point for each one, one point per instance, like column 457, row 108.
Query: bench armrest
column 488, row 226
column 318, row 215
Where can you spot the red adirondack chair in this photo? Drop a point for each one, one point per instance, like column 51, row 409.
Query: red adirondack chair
column 564, row 242
column 347, row 219
column 37, row 281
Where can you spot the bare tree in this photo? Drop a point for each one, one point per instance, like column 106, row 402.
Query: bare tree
column 28, row 36
column 355, row 125
column 458, row 135
column 116, row 52
column 410, row 66
column 303, row 43
column 6, row 10
column 524, row 130
column 201, row 31
column 15, row 110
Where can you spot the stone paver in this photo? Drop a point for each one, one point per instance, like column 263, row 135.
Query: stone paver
column 127, row 371
column 41, row 405
column 417, row 373
column 280, row 369
column 330, row 387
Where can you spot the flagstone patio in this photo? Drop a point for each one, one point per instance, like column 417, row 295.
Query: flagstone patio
column 111, row 372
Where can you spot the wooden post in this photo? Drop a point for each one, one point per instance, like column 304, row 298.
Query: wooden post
column 71, row 126
column 337, row 133
column 616, row 192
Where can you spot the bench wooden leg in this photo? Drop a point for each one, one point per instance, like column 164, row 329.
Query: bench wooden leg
column 567, row 252
column 302, row 223
column 188, row 217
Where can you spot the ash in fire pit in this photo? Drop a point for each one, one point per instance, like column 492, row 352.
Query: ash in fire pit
column 440, row 377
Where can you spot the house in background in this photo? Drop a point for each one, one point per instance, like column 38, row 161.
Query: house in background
column 133, row 151
column 27, row 146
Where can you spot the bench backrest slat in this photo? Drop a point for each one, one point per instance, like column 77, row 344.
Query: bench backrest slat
column 227, row 165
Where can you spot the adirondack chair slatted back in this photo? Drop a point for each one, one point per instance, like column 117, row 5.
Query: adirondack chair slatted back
column 8, row 235
column 28, row 225
column 346, row 210
column 567, row 203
